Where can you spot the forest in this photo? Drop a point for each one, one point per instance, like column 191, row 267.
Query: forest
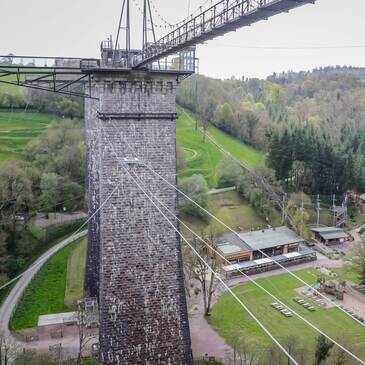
column 49, row 176
column 311, row 125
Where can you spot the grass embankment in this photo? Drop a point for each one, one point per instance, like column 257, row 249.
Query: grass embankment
column 8, row 88
column 207, row 156
column 75, row 274
column 232, row 210
column 46, row 293
column 17, row 128
column 228, row 316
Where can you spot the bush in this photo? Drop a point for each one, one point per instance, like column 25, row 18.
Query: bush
column 34, row 359
column 196, row 188
column 228, row 173
column 54, row 233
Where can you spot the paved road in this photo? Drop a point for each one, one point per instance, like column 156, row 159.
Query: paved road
column 12, row 299
column 223, row 190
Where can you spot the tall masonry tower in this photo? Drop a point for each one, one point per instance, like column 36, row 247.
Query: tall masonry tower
column 134, row 264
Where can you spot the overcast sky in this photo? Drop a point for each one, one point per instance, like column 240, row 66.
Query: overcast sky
column 330, row 32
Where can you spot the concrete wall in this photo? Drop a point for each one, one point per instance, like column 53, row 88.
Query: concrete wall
column 143, row 310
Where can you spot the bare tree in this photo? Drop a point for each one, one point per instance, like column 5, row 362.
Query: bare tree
column 198, row 270
column 86, row 320
column 246, row 349
column 8, row 349
column 337, row 356
column 294, row 347
column 357, row 256
column 206, row 109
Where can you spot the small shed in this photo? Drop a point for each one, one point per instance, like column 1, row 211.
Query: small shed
column 56, row 325
column 330, row 235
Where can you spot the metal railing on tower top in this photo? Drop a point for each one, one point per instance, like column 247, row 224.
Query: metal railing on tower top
column 221, row 18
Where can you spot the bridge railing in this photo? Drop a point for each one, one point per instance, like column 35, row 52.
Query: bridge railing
column 224, row 16
column 12, row 61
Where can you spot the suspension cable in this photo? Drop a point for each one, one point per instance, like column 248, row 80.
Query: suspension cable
column 214, row 273
column 41, row 261
column 237, row 235
column 222, row 256
column 251, row 279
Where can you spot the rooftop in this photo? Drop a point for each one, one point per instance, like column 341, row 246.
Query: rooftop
column 233, row 243
column 326, row 229
column 268, row 238
column 330, row 233
column 59, row 318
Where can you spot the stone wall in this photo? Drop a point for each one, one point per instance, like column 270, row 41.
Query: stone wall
column 143, row 310
column 92, row 185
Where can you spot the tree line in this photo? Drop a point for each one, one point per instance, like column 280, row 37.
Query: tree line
column 310, row 124
column 49, row 179
column 308, row 159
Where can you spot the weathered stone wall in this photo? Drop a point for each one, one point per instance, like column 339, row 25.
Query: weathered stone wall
column 92, row 184
column 143, row 310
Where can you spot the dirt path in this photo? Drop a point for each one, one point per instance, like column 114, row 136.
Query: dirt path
column 205, row 340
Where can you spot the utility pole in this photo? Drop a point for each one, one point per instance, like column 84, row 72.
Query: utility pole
column 334, row 209
column 196, row 101
column 301, row 217
column 344, row 207
column 318, row 209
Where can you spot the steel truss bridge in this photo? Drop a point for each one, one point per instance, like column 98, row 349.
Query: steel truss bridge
column 174, row 53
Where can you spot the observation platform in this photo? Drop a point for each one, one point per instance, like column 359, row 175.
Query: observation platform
column 74, row 76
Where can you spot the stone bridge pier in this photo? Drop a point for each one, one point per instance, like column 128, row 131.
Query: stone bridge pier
column 134, row 263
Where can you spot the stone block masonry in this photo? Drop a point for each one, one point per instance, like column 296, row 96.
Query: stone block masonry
column 143, row 313
column 92, row 184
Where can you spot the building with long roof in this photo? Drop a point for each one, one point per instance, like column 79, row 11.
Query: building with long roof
column 259, row 250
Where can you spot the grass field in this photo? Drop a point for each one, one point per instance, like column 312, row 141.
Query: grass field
column 228, row 316
column 75, row 274
column 207, row 154
column 18, row 128
column 46, row 293
column 231, row 209
column 10, row 89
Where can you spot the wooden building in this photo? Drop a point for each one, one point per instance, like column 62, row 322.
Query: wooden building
column 330, row 235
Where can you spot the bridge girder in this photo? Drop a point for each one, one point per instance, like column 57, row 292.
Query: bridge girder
column 223, row 17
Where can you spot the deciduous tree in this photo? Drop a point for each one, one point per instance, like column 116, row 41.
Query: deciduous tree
column 196, row 188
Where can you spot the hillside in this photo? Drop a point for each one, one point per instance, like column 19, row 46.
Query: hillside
column 310, row 124
column 18, row 128
column 203, row 158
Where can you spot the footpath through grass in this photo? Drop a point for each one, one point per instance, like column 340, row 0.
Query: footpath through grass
column 17, row 128
column 46, row 293
column 75, row 274
column 228, row 316
column 230, row 208
column 207, row 156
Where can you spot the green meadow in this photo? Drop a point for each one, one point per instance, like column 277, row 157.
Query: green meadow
column 203, row 158
column 229, row 317
column 18, row 128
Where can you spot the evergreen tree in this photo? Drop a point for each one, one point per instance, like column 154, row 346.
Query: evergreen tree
column 323, row 348
column 274, row 154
